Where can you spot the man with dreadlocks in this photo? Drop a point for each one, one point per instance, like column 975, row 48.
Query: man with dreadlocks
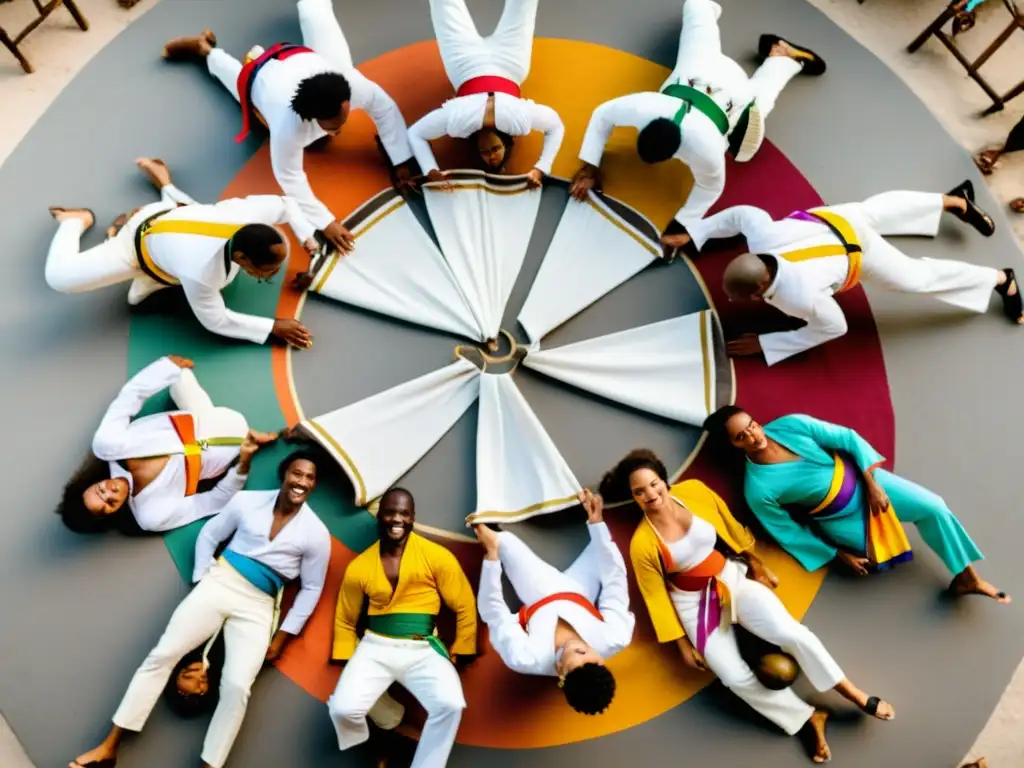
column 570, row 622
column 304, row 94
column 178, row 241
column 707, row 106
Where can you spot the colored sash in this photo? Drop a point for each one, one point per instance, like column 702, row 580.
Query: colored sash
column 184, row 425
column 154, row 226
column 848, row 244
column 275, row 619
column 488, row 84
column 247, row 77
column 887, row 543
column 691, row 97
column 703, row 578
column 408, row 626
column 526, row 612
column 261, row 576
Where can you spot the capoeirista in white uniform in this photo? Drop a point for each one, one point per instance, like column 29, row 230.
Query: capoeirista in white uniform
column 807, row 258
column 275, row 537
column 487, row 73
column 703, row 101
column 169, row 500
column 571, row 622
column 276, row 83
column 178, row 241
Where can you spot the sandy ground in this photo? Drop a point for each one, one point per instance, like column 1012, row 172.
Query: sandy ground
column 59, row 49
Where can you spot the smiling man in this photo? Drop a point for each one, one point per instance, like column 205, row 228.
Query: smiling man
column 275, row 538
column 405, row 578
column 178, row 241
column 571, row 622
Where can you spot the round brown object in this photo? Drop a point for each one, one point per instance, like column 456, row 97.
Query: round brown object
column 777, row 670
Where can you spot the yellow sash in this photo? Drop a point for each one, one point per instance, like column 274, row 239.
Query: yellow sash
column 178, row 227
column 848, row 246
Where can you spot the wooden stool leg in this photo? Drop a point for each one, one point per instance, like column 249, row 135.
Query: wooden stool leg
column 13, row 48
column 76, row 15
column 934, row 27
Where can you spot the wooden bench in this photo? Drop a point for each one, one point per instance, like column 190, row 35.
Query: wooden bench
column 973, row 67
column 44, row 12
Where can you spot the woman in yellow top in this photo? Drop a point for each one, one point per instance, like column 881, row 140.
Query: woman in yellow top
column 405, row 578
column 694, row 593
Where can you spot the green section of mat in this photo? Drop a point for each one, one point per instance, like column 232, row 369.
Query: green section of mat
column 237, row 375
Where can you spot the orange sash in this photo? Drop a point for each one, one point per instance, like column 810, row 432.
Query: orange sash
column 526, row 612
column 185, row 426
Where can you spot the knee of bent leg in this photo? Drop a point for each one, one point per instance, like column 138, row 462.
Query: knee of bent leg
column 446, row 703
column 346, row 708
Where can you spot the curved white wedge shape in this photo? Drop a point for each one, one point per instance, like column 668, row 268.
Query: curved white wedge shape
column 396, row 270
column 519, row 471
column 484, row 227
column 379, row 439
column 596, row 248
column 666, row 368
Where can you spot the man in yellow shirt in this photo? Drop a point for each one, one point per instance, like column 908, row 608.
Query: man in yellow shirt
column 405, row 577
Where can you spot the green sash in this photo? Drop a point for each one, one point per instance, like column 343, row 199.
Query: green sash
column 691, row 97
column 408, row 626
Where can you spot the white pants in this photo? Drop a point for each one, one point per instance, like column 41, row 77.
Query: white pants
column 222, row 597
column 533, row 579
column 211, row 421
column 762, row 613
column 968, row 286
column 700, row 59
column 377, row 663
column 321, row 33
column 466, row 54
column 700, row 62
column 71, row 270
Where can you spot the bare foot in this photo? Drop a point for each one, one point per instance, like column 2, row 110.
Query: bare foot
column 818, row 721
column 191, row 47
column 156, row 171
column 68, row 214
column 968, row 582
column 100, row 753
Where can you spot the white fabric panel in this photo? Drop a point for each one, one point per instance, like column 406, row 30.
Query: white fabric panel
column 397, row 270
column 519, row 471
column 484, row 228
column 593, row 251
column 665, row 368
column 379, row 439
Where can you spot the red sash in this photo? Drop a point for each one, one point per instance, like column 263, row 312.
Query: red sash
column 247, row 77
column 695, row 579
column 487, row 84
column 185, row 426
column 527, row 611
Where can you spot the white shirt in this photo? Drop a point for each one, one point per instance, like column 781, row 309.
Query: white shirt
column 198, row 262
column 691, row 550
column 162, row 505
column 803, row 289
column 533, row 652
column 272, row 93
column 463, row 116
column 703, row 146
column 302, row 548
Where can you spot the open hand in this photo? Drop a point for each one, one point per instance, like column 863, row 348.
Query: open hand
column 745, row 346
column 534, row 178
column 675, row 241
column 488, row 539
column 439, row 177
column 593, row 504
column 181, row 362
column 691, row 658
column 585, row 179
column 878, row 500
column 292, row 332
column 858, row 565
column 761, row 573
column 338, row 236
column 402, row 180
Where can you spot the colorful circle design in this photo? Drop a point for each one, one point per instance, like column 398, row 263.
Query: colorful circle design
column 529, row 712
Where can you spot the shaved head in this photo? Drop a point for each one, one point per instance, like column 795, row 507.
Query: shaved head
column 395, row 494
column 745, row 277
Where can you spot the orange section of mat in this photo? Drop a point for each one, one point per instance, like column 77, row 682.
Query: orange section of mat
column 506, row 710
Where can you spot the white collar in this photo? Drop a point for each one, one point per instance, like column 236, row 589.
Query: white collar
column 773, row 287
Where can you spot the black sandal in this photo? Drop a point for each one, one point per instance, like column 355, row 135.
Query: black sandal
column 812, row 63
column 109, row 762
column 1013, row 304
column 974, row 216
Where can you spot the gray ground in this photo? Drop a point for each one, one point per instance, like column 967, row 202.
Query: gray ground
column 80, row 613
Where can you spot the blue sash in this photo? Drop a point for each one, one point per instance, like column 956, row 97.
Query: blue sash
column 256, row 573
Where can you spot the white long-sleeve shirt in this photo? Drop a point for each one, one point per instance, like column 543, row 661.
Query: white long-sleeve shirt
column 199, row 261
column 803, row 289
column 702, row 149
column 272, row 93
column 463, row 116
column 162, row 505
column 301, row 549
column 532, row 652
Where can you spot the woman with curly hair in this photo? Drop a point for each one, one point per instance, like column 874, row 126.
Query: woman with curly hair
column 695, row 566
